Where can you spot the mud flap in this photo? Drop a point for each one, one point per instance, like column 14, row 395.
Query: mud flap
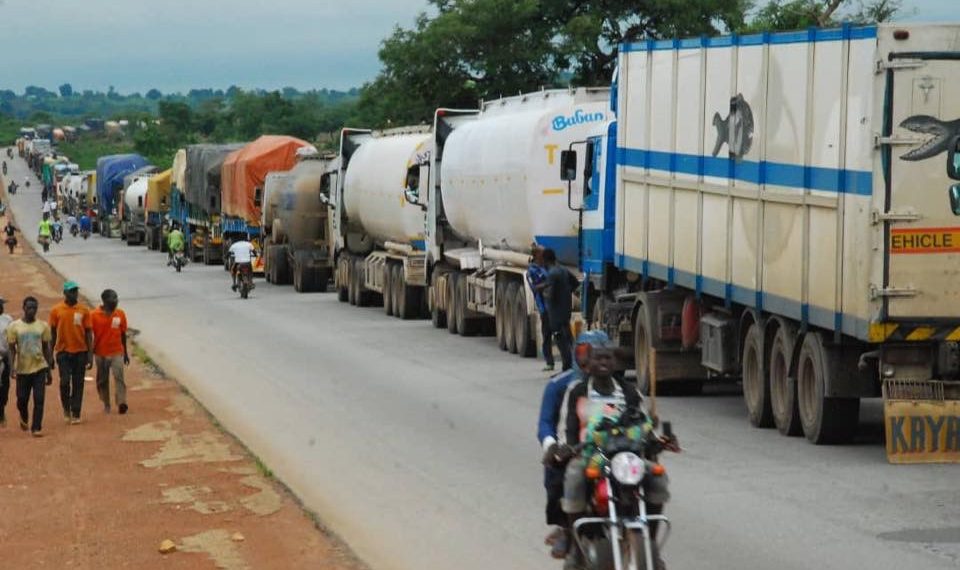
column 922, row 421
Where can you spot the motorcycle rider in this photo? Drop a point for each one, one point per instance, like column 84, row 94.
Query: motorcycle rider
column 241, row 253
column 10, row 231
column 85, row 224
column 175, row 242
column 549, row 434
column 599, row 395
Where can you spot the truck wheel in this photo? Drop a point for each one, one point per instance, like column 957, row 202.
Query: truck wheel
column 500, row 315
column 824, row 420
column 387, row 290
column 321, row 279
column 756, row 386
column 343, row 293
column 409, row 301
column 452, row 319
column 437, row 317
column 509, row 321
column 363, row 296
column 351, row 271
column 641, row 351
column 783, row 389
column 397, row 291
column 467, row 327
column 283, row 276
column 526, row 347
column 298, row 277
column 269, row 265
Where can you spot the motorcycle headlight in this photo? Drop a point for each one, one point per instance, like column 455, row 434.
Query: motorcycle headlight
column 627, row 468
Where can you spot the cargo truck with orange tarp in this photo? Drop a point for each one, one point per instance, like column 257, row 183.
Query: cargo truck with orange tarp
column 243, row 176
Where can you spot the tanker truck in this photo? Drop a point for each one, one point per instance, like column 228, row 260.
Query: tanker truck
column 111, row 170
column 783, row 215
column 132, row 205
column 296, row 224
column 495, row 192
column 244, row 173
column 379, row 234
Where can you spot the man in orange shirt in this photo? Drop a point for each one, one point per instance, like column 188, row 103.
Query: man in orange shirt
column 110, row 348
column 73, row 345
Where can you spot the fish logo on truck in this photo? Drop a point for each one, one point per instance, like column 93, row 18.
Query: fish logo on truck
column 736, row 131
column 577, row 118
column 941, row 133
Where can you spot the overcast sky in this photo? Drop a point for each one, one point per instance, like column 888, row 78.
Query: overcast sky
column 181, row 44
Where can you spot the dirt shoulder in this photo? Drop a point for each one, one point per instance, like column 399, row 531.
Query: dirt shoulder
column 106, row 493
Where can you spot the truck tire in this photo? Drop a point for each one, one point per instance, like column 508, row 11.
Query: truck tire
column 500, row 315
column 756, row 384
column 452, row 286
column 437, row 317
column 343, row 292
column 641, row 350
column 408, row 297
column 396, row 280
column 824, row 420
column 298, row 278
column 351, row 281
column 363, row 296
column 321, row 280
column 783, row 388
column 283, row 275
column 523, row 337
column 466, row 327
column 510, row 328
column 387, row 290
column 269, row 264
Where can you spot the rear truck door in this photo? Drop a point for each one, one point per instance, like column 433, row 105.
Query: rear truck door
column 922, row 234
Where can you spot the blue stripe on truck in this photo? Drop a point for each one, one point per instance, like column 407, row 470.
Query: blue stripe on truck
column 730, row 292
column 842, row 181
column 810, row 35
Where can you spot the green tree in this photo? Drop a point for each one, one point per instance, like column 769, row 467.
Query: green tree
column 66, row 90
column 154, row 94
column 800, row 14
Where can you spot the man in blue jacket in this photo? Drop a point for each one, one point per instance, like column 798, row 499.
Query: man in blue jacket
column 555, row 455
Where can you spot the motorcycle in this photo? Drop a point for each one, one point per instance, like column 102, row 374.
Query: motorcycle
column 74, row 230
column 245, row 281
column 179, row 260
column 621, row 534
column 85, row 234
column 57, row 233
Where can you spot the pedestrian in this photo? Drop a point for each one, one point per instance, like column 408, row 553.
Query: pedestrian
column 29, row 340
column 559, row 288
column 5, row 364
column 536, row 276
column 73, row 345
column 110, row 349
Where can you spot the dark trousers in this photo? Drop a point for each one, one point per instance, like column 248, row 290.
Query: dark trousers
column 547, row 335
column 36, row 383
column 561, row 328
column 4, row 386
column 72, row 366
column 553, row 483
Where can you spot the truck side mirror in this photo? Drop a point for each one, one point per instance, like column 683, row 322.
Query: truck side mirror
column 955, row 199
column 953, row 159
column 568, row 165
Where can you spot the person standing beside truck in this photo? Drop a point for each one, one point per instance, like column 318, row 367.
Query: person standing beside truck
column 6, row 365
column 536, row 276
column 559, row 288
column 110, row 349
column 29, row 340
column 73, row 345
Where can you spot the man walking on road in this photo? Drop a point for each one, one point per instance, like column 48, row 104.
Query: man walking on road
column 110, row 348
column 559, row 288
column 29, row 341
column 6, row 365
column 73, row 345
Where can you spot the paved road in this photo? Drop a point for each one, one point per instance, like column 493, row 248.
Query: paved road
column 418, row 447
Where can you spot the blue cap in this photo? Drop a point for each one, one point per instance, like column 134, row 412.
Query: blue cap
column 594, row 338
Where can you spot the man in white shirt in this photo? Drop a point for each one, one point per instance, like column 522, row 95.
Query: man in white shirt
column 241, row 253
column 5, row 363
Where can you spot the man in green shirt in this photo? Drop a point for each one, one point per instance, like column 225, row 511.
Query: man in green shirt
column 45, row 231
column 175, row 242
column 32, row 357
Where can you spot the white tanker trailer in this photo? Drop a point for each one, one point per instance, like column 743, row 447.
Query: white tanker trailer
column 381, row 252
column 132, row 227
column 499, row 191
